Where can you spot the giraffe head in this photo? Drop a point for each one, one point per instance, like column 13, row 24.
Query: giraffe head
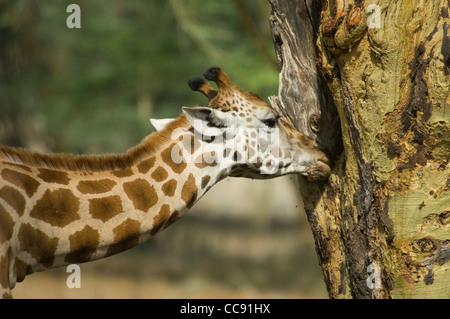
column 249, row 136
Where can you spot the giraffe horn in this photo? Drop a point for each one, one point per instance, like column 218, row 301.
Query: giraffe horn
column 199, row 84
column 219, row 76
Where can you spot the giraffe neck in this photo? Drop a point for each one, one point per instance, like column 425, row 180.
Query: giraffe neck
column 78, row 216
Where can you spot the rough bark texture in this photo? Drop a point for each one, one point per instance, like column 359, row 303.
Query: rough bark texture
column 302, row 92
column 386, row 204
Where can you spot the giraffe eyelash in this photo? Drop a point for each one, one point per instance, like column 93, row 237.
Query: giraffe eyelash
column 271, row 122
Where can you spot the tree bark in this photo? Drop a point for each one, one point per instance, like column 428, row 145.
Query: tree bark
column 373, row 76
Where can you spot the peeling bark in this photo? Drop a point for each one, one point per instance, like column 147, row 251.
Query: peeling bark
column 303, row 94
column 386, row 205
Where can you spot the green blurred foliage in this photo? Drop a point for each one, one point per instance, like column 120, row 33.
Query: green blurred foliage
column 93, row 90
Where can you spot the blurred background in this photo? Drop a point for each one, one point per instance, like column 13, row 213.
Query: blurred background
column 93, row 90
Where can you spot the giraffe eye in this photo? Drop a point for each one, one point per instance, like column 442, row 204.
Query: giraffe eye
column 270, row 122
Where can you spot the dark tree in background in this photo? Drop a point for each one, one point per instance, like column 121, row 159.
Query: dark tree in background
column 19, row 51
column 370, row 81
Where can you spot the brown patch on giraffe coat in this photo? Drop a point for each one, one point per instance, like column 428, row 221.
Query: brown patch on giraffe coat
column 27, row 183
column 189, row 191
column 141, row 193
column 21, row 269
column 13, row 198
column 6, row 225
column 126, row 236
column 58, row 208
column 169, row 187
column 144, row 166
column 122, row 172
column 252, row 152
column 96, row 187
column 176, row 151
column 159, row 174
column 38, row 244
column 207, row 159
column 160, row 219
column 205, row 180
column 105, row 208
column 53, row 176
column 83, row 244
column 226, row 152
column 4, row 270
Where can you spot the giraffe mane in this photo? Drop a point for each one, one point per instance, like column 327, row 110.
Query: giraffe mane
column 93, row 163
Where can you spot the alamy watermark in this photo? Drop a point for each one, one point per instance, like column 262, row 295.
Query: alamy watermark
column 74, row 279
column 73, row 21
column 373, row 20
column 234, row 146
column 374, row 279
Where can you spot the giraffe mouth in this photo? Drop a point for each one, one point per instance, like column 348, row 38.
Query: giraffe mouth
column 318, row 171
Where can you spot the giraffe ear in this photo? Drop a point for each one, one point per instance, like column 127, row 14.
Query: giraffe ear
column 205, row 120
column 160, row 124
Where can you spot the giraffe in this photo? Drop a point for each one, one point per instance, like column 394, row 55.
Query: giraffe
column 59, row 209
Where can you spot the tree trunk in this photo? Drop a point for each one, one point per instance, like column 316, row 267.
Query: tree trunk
column 381, row 223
